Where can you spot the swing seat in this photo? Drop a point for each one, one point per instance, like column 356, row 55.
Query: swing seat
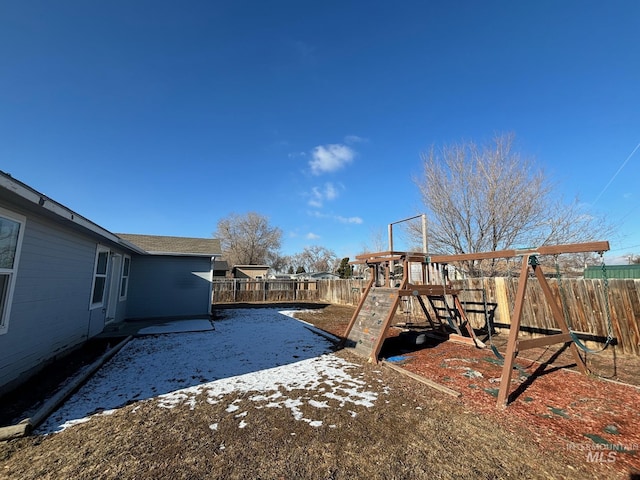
column 582, row 346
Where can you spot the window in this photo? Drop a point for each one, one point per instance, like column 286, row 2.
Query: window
column 124, row 280
column 99, row 277
column 11, row 232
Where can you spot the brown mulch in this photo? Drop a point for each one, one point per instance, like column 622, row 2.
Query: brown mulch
column 562, row 410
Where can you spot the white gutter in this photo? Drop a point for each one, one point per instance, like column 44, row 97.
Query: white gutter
column 60, row 210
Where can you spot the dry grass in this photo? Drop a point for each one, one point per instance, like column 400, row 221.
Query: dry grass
column 411, row 432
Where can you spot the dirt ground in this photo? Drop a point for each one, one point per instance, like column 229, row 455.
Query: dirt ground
column 563, row 410
column 557, row 423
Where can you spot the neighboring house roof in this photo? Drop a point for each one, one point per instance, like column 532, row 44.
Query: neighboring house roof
column 324, row 275
column 281, row 276
column 221, row 265
column 166, row 245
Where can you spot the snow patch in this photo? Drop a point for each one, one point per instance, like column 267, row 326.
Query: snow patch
column 263, row 356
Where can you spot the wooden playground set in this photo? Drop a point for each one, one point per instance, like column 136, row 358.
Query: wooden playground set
column 426, row 279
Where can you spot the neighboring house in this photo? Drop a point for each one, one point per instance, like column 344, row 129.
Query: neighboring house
column 256, row 272
column 281, row 276
column 323, row 276
column 64, row 278
column 220, row 268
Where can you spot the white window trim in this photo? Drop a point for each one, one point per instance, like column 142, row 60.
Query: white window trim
column 6, row 315
column 99, row 249
column 125, row 258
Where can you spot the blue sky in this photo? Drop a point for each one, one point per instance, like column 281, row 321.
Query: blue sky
column 161, row 117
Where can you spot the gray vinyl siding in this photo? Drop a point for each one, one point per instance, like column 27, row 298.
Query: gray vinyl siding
column 165, row 286
column 50, row 309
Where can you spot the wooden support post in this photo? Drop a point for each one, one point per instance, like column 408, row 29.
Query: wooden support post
column 559, row 317
column 510, row 356
column 426, row 312
column 464, row 319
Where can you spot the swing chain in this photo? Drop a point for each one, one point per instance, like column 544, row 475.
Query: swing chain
column 606, row 298
column 606, row 304
column 563, row 299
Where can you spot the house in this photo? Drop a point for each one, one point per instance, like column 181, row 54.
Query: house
column 324, row 276
column 171, row 273
column 281, row 276
column 315, row 276
column 220, row 269
column 64, row 278
column 256, row 272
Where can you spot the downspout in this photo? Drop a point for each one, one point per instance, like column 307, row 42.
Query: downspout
column 211, row 299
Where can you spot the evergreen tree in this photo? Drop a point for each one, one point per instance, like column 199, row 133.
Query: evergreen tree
column 345, row 270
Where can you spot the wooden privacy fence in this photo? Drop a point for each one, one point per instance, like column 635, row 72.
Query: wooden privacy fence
column 249, row 290
column 583, row 300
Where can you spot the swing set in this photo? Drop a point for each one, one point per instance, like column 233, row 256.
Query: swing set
column 429, row 280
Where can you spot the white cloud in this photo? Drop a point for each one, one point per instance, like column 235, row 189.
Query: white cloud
column 339, row 218
column 356, row 220
column 312, row 236
column 329, row 158
column 320, row 194
column 330, row 192
column 351, row 139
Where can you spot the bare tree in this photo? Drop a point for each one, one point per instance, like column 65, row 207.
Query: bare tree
column 278, row 263
column 379, row 242
column 248, row 239
column 489, row 197
column 316, row 259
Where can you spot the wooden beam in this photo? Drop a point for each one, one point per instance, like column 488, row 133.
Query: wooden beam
column 596, row 246
column 436, row 290
column 510, row 356
column 387, row 254
column 10, row 432
column 543, row 341
column 375, row 260
column 558, row 314
column 421, row 379
column 454, row 337
column 600, row 246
